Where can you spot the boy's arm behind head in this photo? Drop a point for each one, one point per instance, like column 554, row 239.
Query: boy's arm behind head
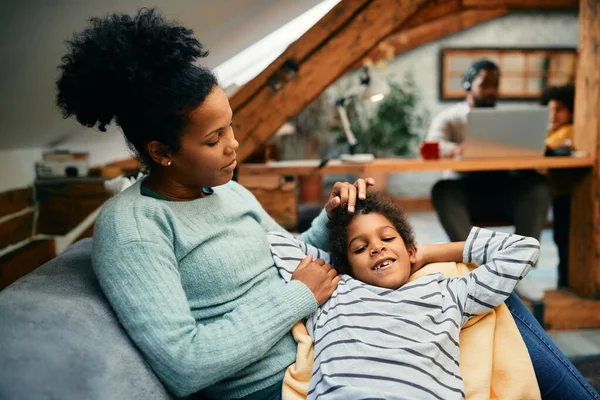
column 503, row 260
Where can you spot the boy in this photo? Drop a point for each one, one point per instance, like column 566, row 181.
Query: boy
column 380, row 337
column 560, row 100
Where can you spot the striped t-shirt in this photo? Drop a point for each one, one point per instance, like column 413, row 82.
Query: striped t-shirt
column 378, row 343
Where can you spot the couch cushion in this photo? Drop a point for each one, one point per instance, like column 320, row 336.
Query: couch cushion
column 59, row 338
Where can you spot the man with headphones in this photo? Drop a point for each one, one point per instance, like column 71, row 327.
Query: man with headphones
column 448, row 128
column 522, row 197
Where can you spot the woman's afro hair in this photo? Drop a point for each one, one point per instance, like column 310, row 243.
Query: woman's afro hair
column 138, row 70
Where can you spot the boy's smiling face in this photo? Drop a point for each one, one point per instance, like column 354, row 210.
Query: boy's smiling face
column 376, row 252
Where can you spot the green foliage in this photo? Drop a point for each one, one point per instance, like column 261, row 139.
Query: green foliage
column 392, row 126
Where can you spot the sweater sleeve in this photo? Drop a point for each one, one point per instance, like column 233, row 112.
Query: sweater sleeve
column 503, row 260
column 142, row 283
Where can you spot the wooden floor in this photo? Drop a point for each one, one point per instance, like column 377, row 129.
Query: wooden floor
column 580, row 344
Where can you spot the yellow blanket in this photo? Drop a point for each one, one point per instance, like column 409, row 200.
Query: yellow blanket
column 494, row 361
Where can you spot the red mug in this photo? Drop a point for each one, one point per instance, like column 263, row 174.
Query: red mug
column 430, row 150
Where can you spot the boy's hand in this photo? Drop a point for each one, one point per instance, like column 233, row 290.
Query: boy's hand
column 422, row 258
column 440, row 252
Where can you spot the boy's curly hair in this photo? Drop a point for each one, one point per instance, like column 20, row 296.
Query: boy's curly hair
column 337, row 227
column 137, row 70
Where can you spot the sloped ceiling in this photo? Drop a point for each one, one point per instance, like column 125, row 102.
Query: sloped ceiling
column 32, row 35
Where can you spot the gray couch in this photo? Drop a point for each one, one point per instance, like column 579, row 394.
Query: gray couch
column 59, row 338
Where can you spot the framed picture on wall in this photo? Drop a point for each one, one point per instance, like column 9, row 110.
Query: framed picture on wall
column 525, row 72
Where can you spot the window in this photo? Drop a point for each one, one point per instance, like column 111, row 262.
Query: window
column 524, row 72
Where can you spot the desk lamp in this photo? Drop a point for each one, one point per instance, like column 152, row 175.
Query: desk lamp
column 369, row 90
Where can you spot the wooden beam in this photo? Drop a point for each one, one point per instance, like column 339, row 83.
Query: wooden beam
column 584, row 256
column 523, row 4
column 15, row 200
column 259, row 119
column 335, row 19
column 432, row 10
column 406, row 40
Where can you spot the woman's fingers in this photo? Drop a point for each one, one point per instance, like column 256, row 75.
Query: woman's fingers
column 343, row 194
column 361, row 185
column 351, row 198
column 332, row 204
column 346, row 195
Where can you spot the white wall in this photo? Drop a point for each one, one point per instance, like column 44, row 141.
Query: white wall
column 103, row 147
column 18, row 170
column 18, row 165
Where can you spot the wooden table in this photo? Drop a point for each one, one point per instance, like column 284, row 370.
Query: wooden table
column 390, row 165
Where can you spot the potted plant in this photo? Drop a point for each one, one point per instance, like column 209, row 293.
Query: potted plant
column 390, row 127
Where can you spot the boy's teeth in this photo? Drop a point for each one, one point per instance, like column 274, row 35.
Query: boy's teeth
column 383, row 264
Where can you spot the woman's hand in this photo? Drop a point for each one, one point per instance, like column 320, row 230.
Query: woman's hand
column 318, row 276
column 345, row 194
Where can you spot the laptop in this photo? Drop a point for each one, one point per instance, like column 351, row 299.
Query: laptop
column 497, row 132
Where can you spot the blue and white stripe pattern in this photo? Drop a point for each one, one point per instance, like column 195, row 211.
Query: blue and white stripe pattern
column 377, row 343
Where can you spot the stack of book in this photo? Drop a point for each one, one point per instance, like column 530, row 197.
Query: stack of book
column 62, row 164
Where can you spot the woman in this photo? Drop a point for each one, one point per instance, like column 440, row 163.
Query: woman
column 182, row 256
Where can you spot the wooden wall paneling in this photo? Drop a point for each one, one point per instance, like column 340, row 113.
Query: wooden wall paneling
column 16, row 229
column 22, row 261
column 15, row 200
column 89, row 232
column 268, row 110
column 63, row 204
column 584, row 261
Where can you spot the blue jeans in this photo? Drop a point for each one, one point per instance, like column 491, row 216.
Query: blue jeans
column 557, row 377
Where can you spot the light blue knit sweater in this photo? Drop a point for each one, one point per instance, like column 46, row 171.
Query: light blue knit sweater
column 194, row 285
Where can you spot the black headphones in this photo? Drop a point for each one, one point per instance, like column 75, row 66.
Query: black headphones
column 468, row 77
column 474, row 69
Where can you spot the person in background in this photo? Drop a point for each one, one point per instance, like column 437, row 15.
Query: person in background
column 560, row 101
column 521, row 197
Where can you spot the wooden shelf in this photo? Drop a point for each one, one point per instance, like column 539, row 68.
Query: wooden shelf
column 308, row 167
